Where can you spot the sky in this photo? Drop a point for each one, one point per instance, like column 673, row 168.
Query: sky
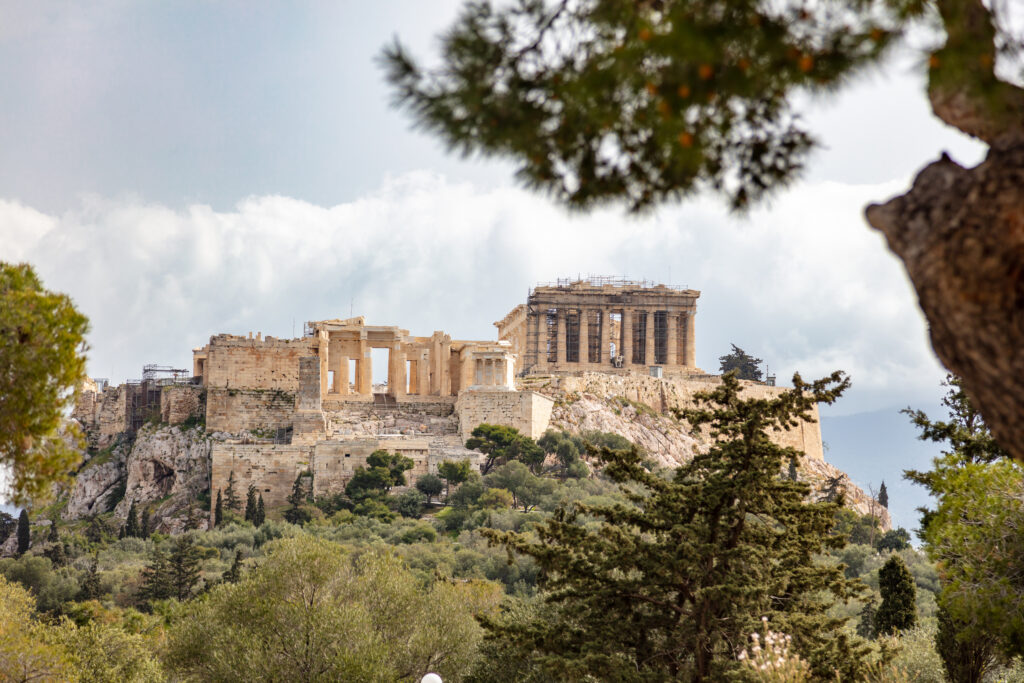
column 191, row 168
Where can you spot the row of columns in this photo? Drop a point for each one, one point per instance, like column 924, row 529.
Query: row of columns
column 624, row 346
column 428, row 368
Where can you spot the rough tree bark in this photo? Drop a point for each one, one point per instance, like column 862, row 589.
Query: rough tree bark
column 960, row 233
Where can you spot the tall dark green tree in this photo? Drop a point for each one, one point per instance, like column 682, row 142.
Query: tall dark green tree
column 745, row 365
column 91, row 584
column 24, row 533
column 382, row 472
column 883, row 496
column 670, row 585
column 131, row 525
column 144, row 528
column 157, row 581
column 234, row 573
column 298, row 500
column 250, row 503
column 648, row 102
column 261, row 513
column 218, row 510
column 966, row 656
column 53, row 535
column 231, row 497
column 898, row 611
column 183, row 567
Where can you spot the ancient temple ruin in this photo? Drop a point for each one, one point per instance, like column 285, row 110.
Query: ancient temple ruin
column 280, row 408
column 603, row 325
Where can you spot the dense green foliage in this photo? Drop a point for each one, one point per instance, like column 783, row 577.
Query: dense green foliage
column 973, row 533
column 24, row 533
column 42, row 359
column 501, row 444
column 898, row 611
column 669, row 581
column 745, row 365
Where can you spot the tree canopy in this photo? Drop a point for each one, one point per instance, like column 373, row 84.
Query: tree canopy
column 645, row 102
column 745, row 365
column 42, row 360
column 671, row 584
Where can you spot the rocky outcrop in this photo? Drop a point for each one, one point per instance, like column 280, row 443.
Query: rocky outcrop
column 669, row 443
column 166, row 471
column 99, row 481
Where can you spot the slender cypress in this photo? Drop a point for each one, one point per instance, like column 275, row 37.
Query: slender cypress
column 24, row 534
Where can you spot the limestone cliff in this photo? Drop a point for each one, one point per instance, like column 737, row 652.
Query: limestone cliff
column 166, row 471
column 99, row 481
column 668, row 441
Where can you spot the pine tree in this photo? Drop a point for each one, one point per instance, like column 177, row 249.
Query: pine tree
column 667, row 586
column 233, row 574
column 218, row 510
column 144, row 529
column 250, row 503
column 231, row 498
column 157, row 582
column 184, row 567
column 24, row 533
column 898, row 611
column 261, row 513
column 746, row 366
column 131, row 525
column 883, row 496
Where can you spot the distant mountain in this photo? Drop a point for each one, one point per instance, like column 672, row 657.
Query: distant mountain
column 879, row 445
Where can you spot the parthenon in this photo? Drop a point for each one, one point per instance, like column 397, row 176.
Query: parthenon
column 603, row 325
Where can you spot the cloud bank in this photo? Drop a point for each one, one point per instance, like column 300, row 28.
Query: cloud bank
column 803, row 284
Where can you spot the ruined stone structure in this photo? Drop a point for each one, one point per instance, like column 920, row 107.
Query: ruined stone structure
column 603, row 325
column 276, row 409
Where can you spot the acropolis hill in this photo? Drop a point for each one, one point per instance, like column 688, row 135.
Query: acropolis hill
column 606, row 354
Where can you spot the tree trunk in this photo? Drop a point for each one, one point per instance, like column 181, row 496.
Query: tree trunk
column 960, row 233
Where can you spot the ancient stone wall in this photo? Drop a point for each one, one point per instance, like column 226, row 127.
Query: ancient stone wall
column 334, row 462
column 527, row 411
column 180, row 402
column 112, row 417
column 271, row 468
column 234, row 361
column 236, row 410
column 420, row 418
column 664, row 394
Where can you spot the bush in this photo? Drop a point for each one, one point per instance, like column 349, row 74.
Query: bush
column 409, row 503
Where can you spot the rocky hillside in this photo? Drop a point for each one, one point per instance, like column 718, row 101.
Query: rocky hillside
column 164, row 469
column 667, row 440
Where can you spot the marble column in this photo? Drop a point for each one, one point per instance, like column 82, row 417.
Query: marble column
column 584, row 336
column 561, row 338
column 649, row 358
column 689, row 339
column 542, row 339
column 605, row 329
column 672, row 356
column 627, row 335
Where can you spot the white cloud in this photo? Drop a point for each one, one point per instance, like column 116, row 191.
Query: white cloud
column 804, row 284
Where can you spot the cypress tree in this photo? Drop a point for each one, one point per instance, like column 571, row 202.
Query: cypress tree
column 250, row 504
column 966, row 654
column 131, row 525
column 218, row 510
column 883, row 496
column 91, row 583
column 53, row 536
column 144, row 524
column 898, row 611
column 261, row 513
column 233, row 574
column 24, row 533
column 120, row 532
column 231, row 498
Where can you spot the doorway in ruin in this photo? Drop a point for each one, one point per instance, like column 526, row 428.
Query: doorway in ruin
column 352, row 381
column 380, row 359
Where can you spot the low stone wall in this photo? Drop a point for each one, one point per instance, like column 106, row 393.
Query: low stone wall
column 179, row 403
column 527, row 411
column 237, row 410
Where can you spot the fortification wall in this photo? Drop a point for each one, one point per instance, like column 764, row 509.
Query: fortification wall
column 664, row 394
column 527, row 411
column 112, row 417
column 334, row 462
column 435, row 418
column 236, row 410
column 270, row 468
column 179, row 403
column 244, row 363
